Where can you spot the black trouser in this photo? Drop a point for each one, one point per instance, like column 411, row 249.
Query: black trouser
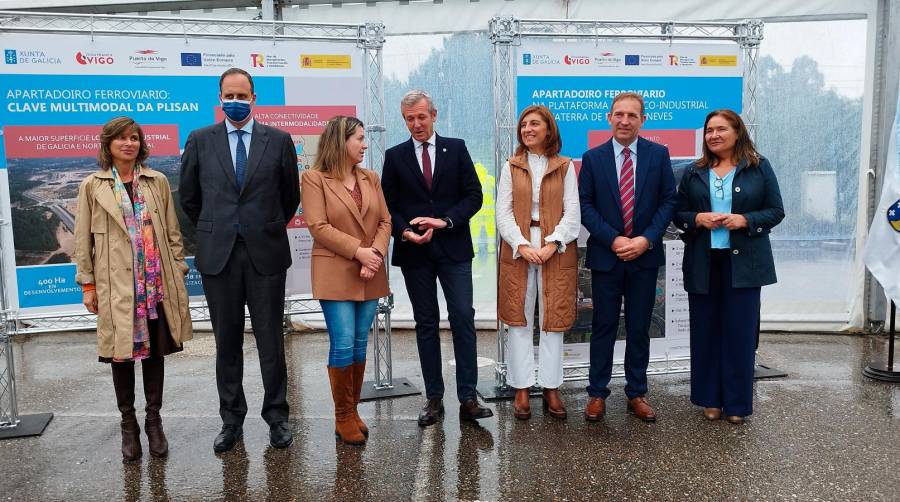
column 456, row 282
column 226, row 294
column 724, row 327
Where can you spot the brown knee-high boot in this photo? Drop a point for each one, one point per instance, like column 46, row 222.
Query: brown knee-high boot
column 342, row 392
column 123, row 383
column 359, row 372
column 154, row 376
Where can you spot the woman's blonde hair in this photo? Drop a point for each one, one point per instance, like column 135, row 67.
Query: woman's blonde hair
column 332, row 155
column 112, row 130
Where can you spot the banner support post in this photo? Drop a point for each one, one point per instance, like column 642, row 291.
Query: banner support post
column 12, row 425
column 384, row 385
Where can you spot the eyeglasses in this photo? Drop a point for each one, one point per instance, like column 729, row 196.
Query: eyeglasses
column 719, row 185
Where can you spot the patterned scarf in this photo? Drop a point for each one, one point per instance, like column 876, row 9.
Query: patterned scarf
column 148, row 286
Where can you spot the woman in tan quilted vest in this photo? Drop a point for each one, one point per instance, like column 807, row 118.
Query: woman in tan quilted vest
column 538, row 217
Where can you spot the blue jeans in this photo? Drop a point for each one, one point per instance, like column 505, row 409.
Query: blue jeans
column 348, row 325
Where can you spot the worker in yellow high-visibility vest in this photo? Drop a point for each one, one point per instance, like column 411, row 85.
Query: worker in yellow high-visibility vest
column 484, row 219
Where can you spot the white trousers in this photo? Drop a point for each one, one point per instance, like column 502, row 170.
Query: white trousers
column 520, row 348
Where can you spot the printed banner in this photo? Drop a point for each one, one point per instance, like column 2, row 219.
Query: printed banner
column 59, row 90
column 680, row 83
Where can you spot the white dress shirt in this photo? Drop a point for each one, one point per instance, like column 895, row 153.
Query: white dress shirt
column 233, row 139
column 431, row 151
column 570, row 223
column 620, row 158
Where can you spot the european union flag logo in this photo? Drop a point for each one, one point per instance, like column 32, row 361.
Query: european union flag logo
column 191, row 59
column 632, row 60
column 10, row 56
column 526, row 58
column 893, row 216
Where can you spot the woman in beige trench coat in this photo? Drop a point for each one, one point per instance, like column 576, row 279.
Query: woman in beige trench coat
column 130, row 265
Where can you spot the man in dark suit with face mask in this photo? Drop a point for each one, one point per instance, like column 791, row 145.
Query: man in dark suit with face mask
column 240, row 187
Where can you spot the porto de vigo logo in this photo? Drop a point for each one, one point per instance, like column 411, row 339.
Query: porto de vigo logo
column 893, row 216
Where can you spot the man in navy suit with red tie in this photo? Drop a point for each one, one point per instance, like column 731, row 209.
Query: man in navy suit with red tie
column 627, row 193
column 432, row 191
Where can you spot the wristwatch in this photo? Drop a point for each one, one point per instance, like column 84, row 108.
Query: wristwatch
column 448, row 221
column 559, row 246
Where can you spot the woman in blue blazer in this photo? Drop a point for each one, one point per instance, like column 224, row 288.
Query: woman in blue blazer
column 728, row 202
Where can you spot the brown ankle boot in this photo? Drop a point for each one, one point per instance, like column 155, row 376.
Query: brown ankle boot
column 521, row 406
column 359, row 372
column 342, row 393
column 154, row 375
column 553, row 404
column 123, row 383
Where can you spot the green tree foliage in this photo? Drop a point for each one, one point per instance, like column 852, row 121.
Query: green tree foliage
column 17, row 186
column 458, row 76
column 34, row 229
column 804, row 126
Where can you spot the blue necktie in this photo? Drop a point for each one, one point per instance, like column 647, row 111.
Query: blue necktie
column 240, row 158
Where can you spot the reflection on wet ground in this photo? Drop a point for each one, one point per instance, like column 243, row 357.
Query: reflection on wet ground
column 824, row 432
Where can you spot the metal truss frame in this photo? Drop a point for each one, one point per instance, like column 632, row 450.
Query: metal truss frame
column 368, row 36
column 9, row 413
column 104, row 24
column 507, row 32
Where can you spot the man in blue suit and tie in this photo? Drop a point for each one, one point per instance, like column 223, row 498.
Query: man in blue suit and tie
column 627, row 193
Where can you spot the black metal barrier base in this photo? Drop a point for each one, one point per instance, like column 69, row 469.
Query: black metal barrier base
column 29, row 425
column 402, row 387
column 880, row 371
column 761, row 371
column 489, row 391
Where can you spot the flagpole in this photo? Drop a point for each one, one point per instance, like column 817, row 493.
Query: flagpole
column 879, row 371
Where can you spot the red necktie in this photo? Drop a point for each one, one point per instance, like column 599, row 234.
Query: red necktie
column 626, row 192
column 426, row 165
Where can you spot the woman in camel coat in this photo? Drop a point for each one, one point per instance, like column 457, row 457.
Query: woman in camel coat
column 125, row 210
column 344, row 207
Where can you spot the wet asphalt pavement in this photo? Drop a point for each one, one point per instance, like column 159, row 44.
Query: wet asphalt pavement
column 823, row 433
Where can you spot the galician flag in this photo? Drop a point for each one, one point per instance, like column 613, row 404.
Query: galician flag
column 882, row 253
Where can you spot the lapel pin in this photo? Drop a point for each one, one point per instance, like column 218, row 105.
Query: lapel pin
column 443, row 150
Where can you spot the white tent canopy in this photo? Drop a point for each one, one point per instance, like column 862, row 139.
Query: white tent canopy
column 878, row 69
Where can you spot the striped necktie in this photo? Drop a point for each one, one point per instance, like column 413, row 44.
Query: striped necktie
column 626, row 192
